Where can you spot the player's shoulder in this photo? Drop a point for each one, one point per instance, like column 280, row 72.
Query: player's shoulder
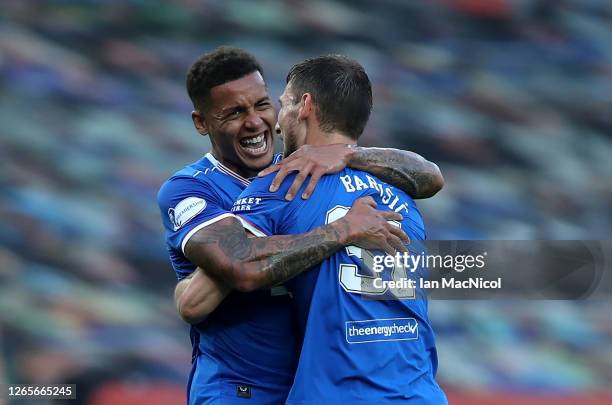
column 261, row 185
column 257, row 198
column 388, row 197
column 193, row 177
column 361, row 179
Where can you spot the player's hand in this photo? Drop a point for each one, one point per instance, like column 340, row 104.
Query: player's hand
column 370, row 228
column 309, row 160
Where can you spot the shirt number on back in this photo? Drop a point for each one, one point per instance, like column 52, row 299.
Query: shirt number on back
column 360, row 279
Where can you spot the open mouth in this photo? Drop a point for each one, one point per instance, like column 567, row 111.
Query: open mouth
column 254, row 145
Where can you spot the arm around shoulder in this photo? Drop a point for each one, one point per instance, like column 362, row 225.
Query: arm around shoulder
column 408, row 171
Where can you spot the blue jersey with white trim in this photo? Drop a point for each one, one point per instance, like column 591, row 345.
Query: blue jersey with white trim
column 363, row 343
column 249, row 342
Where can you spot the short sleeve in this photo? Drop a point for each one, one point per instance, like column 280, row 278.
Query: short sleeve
column 186, row 206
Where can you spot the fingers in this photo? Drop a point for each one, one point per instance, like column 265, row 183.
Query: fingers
column 278, row 179
column 391, row 215
column 268, row 170
column 314, row 180
column 299, row 180
column 302, row 150
column 390, row 244
column 387, row 248
column 396, row 243
column 399, row 233
column 367, row 201
column 286, row 166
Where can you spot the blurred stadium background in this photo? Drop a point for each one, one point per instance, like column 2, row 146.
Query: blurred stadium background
column 512, row 98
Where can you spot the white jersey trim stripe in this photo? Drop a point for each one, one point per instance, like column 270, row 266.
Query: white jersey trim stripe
column 203, row 225
column 225, row 170
column 251, row 228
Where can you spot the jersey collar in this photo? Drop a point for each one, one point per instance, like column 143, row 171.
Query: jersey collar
column 226, row 170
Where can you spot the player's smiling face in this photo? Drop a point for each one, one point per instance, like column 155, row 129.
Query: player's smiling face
column 240, row 122
column 293, row 132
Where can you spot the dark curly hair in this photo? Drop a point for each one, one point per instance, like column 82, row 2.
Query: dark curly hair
column 219, row 66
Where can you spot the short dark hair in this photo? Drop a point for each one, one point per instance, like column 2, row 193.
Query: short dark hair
column 341, row 91
column 214, row 68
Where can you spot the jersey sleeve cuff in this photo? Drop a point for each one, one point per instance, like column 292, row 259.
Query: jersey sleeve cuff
column 251, row 227
column 203, row 225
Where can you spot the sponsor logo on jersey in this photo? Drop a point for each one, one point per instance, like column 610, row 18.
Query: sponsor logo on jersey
column 245, row 204
column 382, row 330
column 185, row 211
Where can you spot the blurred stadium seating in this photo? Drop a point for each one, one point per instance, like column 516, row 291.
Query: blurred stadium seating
column 512, row 98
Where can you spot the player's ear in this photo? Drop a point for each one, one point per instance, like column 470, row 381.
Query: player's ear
column 306, row 106
column 199, row 123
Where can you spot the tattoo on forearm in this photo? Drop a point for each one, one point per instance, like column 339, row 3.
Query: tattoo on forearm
column 407, row 171
column 296, row 256
column 276, row 259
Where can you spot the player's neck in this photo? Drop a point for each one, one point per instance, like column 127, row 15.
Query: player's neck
column 242, row 172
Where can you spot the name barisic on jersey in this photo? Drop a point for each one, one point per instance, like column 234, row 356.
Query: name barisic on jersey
column 354, row 183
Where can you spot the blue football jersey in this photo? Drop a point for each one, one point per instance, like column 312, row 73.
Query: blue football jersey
column 247, row 347
column 362, row 343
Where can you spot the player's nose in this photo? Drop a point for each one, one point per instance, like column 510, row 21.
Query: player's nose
column 277, row 129
column 253, row 121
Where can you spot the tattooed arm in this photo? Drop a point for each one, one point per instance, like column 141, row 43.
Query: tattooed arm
column 408, row 171
column 199, row 294
column 247, row 264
